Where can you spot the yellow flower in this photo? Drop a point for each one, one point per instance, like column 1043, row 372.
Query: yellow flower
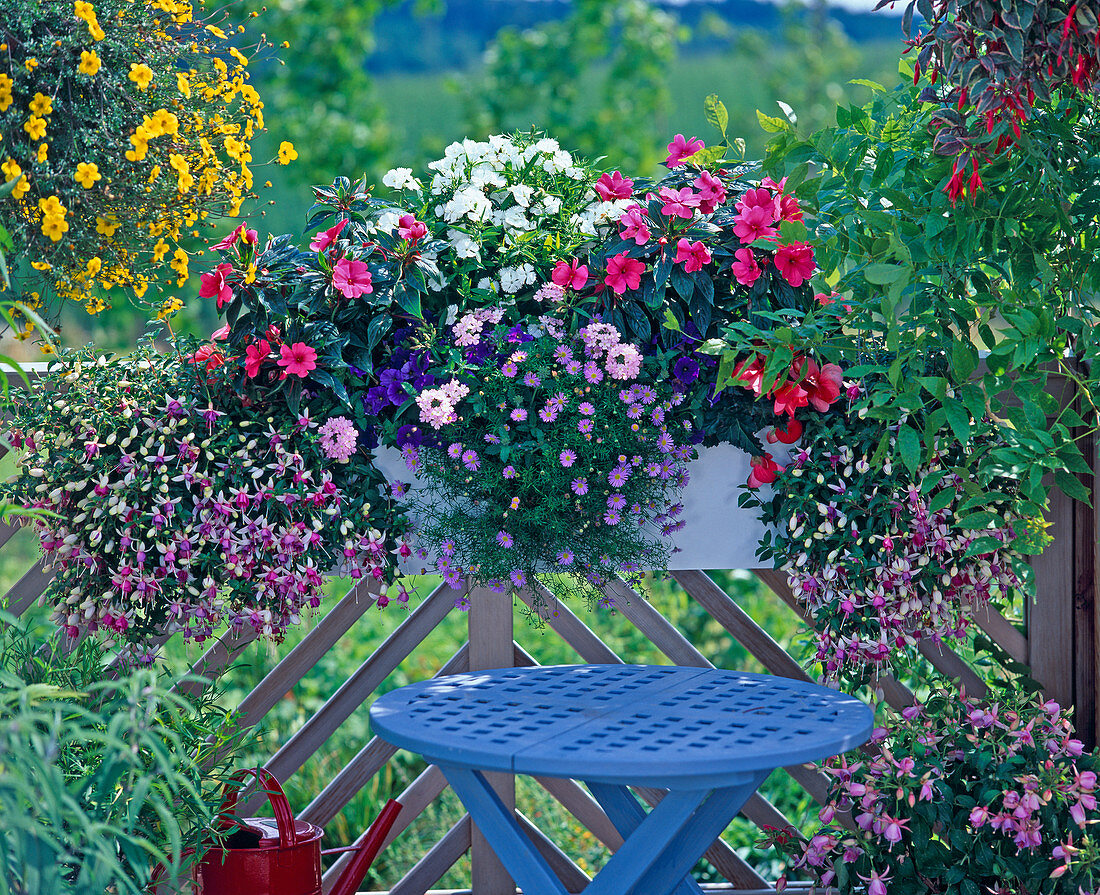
column 42, row 150
column 169, row 307
column 89, row 62
column 167, row 122
column 41, row 104
column 35, row 127
column 239, row 56
column 179, row 265
column 141, row 74
column 6, row 84
column 106, row 226
column 21, row 188
column 185, row 181
column 31, row 64
column 141, row 146
column 178, row 162
column 84, row 11
column 95, row 265
column 46, row 348
column 87, row 173
column 154, row 173
column 54, row 228
column 51, row 207
column 96, row 32
column 183, row 85
column 159, row 251
column 41, row 265
column 140, row 286
column 11, row 170
column 287, row 152
column 250, row 274
column 216, row 31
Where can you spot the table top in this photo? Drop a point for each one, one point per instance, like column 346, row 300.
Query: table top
column 644, row 724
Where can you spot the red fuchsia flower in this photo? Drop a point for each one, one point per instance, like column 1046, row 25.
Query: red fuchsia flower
column 298, row 359
column 823, row 384
column 614, row 186
column 623, row 273
column 795, row 262
column 764, row 471
column 410, row 229
column 788, row 435
column 570, row 274
column 216, row 283
column 790, row 397
column 220, row 335
column 745, row 269
column 325, row 238
column 712, row 192
column 679, row 203
column 680, row 149
column 351, row 278
column 755, row 223
column 634, row 224
column 255, row 355
column 209, row 355
column 245, row 235
column 693, row 255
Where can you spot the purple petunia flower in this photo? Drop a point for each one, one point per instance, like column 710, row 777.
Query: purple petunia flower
column 686, row 370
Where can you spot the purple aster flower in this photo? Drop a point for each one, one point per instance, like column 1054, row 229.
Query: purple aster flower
column 592, row 372
column 653, row 470
column 647, row 395
column 565, row 558
column 398, row 489
column 658, row 416
column 454, row 450
column 549, row 413
column 567, row 458
column 509, row 369
column 618, row 476
column 611, row 517
column 447, row 548
column 470, row 461
column 579, row 486
column 519, row 415
column 634, row 411
column 519, row 579
column 665, row 442
column 573, row 367
column 531, row 380
column 562, row 354
column 462, row 603
column 586, row 408
column 509, row 472
column 559, row 401
column 616, row 502
column 490, row 438
column 584, row 426
column 504, row 539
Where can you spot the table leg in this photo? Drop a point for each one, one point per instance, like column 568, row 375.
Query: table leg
column 682, row 852
column 503, row 833
column 624, row 811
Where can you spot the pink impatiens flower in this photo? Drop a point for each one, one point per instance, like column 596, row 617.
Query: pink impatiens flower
column 242, row 233
column 298, row 359
column 570, row 274
column 759, row 198
column 325, row 238
column 712, row 192
column 215, row 284
column 755, row 223
column 410, row 229
column 745, row 269
column 679, row 203
column 795, row 262
column 256, row 354
column 614, row 186
column 623, row 273
column 351, row 278
column 693, row 255
column 680, row 149
column 634, row 225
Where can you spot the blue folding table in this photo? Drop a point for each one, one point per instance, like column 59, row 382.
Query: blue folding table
column 710, row 737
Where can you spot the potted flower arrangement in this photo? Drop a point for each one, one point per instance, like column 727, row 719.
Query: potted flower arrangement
column 464, row 325
column 168, row 503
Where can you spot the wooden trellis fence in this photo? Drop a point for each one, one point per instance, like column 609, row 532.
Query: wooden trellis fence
column 1059, row 643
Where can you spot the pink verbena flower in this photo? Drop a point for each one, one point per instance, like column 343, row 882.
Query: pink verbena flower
column 338, row 438
column 623, row 361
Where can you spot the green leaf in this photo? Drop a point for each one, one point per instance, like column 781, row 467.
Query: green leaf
column 864, row 82
column 1071, row 486
column 958, row 418
column 882, row 274
column 908, row 441
column 716, row 113
column 670, row 321
column 771, row 124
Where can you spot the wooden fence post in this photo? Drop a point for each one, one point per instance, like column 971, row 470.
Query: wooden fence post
column 491, row 637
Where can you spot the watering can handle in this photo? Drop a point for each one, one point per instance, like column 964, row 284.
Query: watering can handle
column 284, row 817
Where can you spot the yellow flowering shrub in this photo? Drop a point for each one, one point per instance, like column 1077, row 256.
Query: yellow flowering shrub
column 124, row 125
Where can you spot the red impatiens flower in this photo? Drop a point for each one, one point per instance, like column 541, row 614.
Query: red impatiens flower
column 249, row 237
column 680, row 149
column 693, row 255
column 751, row 373
column 325, row 238
column 351, row 278
column 623, row 273
column 410, row 229
column 256, row 353
column 570, row 274
column 298, row 359
column 208, row 355
column 795, row 262
column 614, row 186
column 216, row 283
column 790, row 397
column 787, row 435
column 745, row 269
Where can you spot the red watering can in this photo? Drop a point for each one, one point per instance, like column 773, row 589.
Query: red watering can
column 280, row 856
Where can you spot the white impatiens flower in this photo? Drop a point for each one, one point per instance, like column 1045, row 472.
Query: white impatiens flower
column 387, row 221
column 464, row 246
column 401, row 179
column 512, row 279
column 515, row 219
column 522, row 194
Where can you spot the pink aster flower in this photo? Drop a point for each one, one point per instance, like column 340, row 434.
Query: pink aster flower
column 215, row 283
column 680, row 149
column 570, row 274
column 297, row 359
column 410, row 229
column 693, row 255
column 795, row 262
column 634, row 224
column 256, row 354
column 325, row 238
column 623, row 273
column 614, row 186
column 351, row 278
column 679, row 203
column 745, row 269
column 755, row 223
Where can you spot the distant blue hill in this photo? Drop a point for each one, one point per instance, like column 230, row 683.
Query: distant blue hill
column 456, row 38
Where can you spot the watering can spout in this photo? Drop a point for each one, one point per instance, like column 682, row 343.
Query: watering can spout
column 367, row 850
